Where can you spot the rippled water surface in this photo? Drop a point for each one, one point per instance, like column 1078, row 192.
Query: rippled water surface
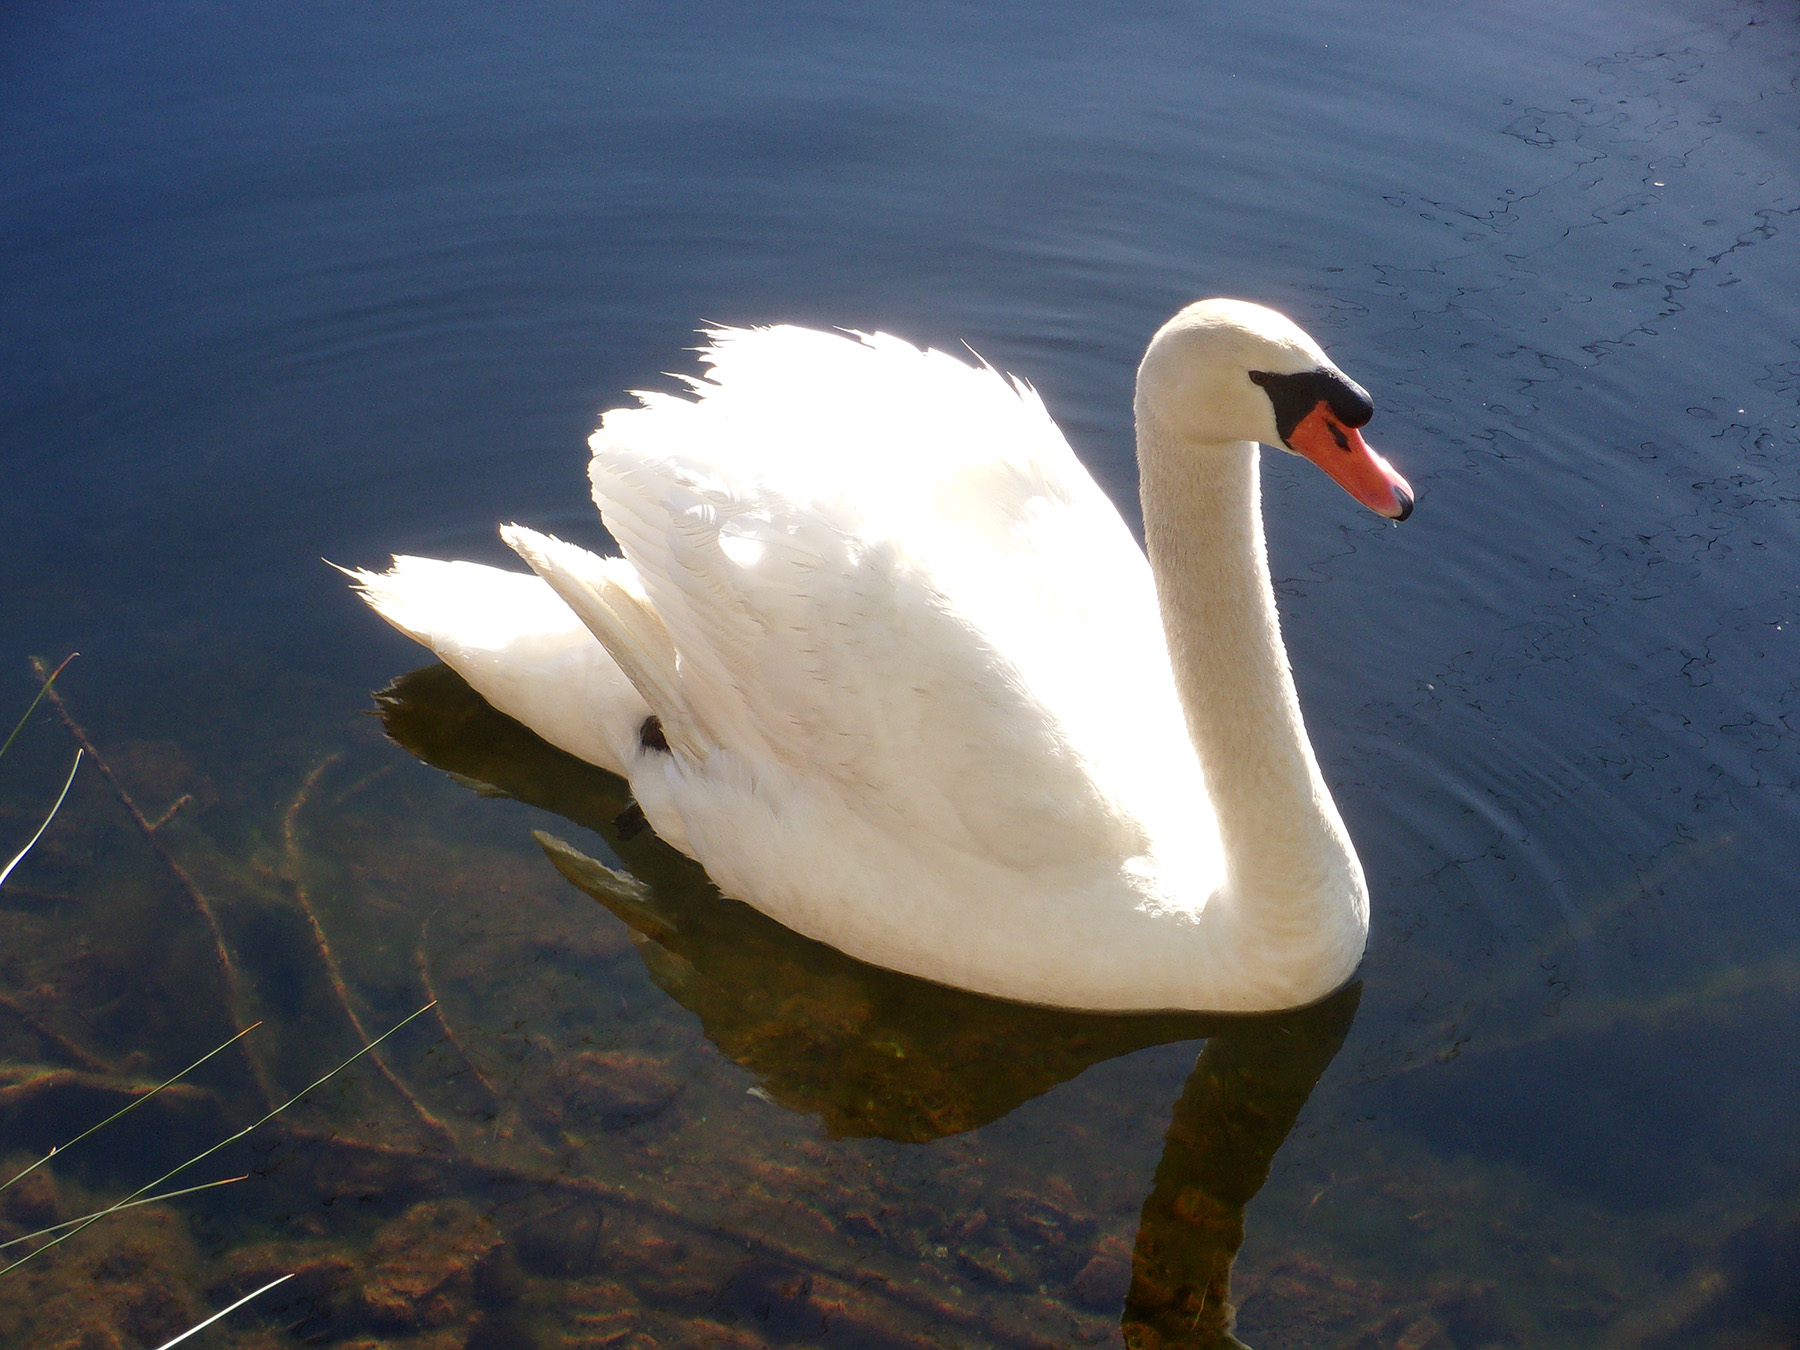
column 341, row 281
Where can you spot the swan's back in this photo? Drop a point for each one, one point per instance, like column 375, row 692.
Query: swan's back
column 886, row 567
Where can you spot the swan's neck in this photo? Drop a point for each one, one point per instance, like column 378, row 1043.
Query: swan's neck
column 1290, row 868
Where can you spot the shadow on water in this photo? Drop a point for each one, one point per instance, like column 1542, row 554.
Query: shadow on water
column 872, row 1053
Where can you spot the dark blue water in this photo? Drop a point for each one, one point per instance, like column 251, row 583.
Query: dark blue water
column 341, row 281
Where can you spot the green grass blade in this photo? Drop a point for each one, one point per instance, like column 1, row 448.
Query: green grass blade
column 34, row 702
column 208, row 1152
column 202, row 1326
column 19, row 857
column 147, row 1200
column 129, row 1106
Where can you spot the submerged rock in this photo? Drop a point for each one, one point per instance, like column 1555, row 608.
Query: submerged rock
column 421, row 1268
column 610, row 1089
column 127, row 1286
column 561, row 1243
column 773, row 1300
column 598, row 1315
column 1105, row 1277
column 34, row 1201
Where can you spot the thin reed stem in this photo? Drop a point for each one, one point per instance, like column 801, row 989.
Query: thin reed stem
column 131, row 1204
column 203, row 906
column 290, row 833
column 208, row 1152
column 202, row 1326
column 19, row 857
column 47, row 682
column 129, row 1106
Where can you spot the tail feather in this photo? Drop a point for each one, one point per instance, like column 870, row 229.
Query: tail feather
column 625, row 625
column 519, row 646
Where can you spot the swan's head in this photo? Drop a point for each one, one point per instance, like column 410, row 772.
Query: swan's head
column 1227, row 371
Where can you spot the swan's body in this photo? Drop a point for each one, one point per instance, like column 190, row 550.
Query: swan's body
column 885, row 660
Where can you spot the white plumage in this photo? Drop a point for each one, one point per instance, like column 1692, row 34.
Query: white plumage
column 910, row 671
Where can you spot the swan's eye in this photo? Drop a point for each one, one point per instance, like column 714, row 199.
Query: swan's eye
column 1293, row 398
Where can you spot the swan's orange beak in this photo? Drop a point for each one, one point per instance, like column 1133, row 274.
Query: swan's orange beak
column 1351, row 464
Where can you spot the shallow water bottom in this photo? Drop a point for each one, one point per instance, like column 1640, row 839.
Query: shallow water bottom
column 660, row 1120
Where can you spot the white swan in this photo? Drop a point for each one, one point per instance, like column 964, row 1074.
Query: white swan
column 885, row 660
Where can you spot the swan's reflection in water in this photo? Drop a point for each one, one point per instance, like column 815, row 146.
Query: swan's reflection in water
column 876, row 1054
column 1235, row 1111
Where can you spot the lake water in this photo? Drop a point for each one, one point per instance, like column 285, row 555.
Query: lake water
column 338, row 281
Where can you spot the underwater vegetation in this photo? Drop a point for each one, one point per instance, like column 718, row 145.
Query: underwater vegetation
column 663, row 1120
